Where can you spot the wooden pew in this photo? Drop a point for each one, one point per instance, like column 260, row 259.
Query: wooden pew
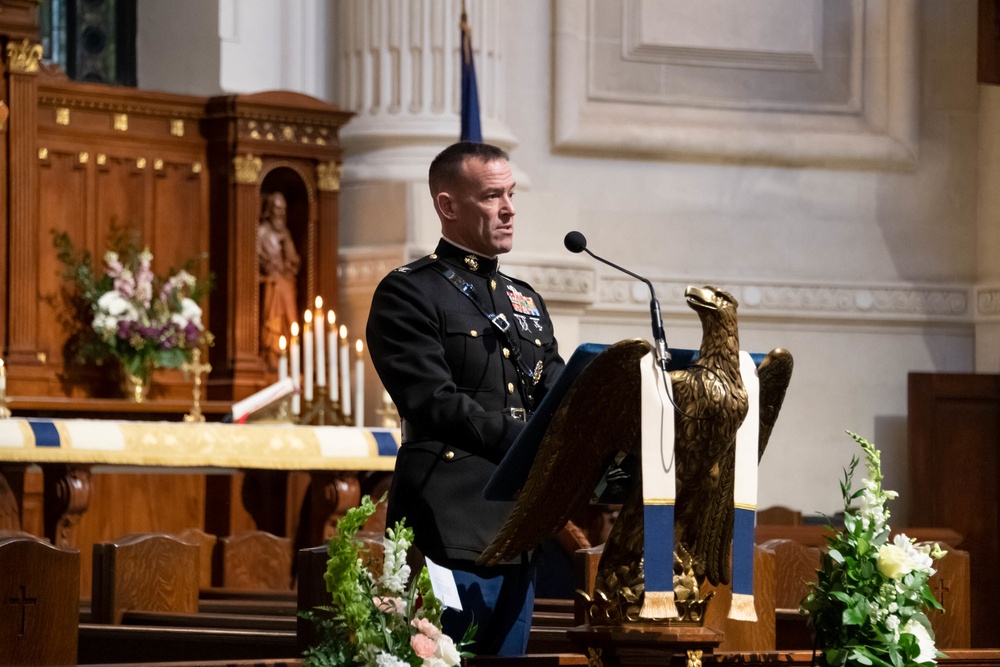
column 147, row 604
column 39, row 585
column 255, row 560
column 206, row 550
column 743, row 635
column 144, row 573
column 796, row 565
column 951, row 586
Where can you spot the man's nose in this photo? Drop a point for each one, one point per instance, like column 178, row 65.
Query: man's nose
column 508, row 205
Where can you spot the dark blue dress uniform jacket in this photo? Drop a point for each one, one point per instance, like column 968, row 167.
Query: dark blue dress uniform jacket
column 453, row 380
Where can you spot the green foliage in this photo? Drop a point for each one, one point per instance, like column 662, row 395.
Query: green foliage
column 126, row 313
column 867, row 605
column 376, row 616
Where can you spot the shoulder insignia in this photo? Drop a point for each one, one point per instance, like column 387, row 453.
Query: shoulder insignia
column 416, row 265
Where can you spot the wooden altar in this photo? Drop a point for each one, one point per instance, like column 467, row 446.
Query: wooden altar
column 187, row 172
column 59, row 478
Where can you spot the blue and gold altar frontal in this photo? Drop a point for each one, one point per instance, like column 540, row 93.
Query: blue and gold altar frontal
column 178, row 444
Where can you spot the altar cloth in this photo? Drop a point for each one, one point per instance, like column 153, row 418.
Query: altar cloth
column 179, row 444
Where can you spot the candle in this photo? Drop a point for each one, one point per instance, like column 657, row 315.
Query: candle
column 296, row 370
column 331, row 319
column 345, row 376
column 307, row 353
column 359, row 383
column 283, row 359
column 320, row 345
column 3, row 376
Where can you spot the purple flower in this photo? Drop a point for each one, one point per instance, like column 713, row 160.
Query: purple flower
column 191, row 332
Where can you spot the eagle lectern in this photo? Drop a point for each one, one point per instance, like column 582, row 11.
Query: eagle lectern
column 597, row 413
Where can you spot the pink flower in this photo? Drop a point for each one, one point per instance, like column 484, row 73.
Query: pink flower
column 389, row 605
column 423, row 645
column 427, row 628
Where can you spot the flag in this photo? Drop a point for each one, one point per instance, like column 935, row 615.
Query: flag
column 471, row 129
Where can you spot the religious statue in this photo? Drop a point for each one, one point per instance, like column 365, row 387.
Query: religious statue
column 279, row 266
column 599, row 417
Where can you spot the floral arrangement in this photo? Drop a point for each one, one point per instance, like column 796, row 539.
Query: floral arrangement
column 134, row 316
column 867, row 607
column 376, row 617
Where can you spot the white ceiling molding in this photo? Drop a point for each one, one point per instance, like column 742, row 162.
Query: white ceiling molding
column 823, row 83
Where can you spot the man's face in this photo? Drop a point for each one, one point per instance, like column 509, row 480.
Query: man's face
column 278, row 210
column 478, row 212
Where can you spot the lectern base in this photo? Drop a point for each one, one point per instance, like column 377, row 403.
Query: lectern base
column 641, row 644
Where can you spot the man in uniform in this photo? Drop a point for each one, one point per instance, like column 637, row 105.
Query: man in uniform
column 465, row 352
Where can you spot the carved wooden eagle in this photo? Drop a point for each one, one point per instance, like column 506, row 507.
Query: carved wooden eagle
column 600, row 417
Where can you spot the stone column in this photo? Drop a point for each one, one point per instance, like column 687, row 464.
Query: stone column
column 398, row 69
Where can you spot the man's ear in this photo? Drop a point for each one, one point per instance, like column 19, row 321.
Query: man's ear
column 445, row 205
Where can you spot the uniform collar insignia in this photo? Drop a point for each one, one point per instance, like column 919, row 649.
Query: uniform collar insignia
column 472, row 262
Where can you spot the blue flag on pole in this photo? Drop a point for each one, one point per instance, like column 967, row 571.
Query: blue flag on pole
column 471, row 128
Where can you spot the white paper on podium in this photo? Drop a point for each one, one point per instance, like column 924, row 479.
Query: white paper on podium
column 443, row 584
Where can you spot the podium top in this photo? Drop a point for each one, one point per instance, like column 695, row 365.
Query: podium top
column 513, row 470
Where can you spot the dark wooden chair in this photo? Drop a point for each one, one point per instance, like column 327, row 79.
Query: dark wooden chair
column 256, row 560
column 40, row 591
column 144, row 573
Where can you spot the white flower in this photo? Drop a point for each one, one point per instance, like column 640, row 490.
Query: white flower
column 384, row 659
column 926, row 643
column 447, row 651
column 446, row 654
column 191, row 311
column 898, row 559
column 113, row 304
column 395, row 571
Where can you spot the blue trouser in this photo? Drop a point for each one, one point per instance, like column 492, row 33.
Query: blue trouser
column 499, row 600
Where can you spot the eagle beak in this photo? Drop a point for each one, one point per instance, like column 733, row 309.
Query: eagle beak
column 701, row 297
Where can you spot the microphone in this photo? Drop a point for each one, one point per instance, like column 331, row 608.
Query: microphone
column 577, row 242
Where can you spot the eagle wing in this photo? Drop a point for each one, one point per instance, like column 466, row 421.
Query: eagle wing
column 598, row 418
column 774, row 373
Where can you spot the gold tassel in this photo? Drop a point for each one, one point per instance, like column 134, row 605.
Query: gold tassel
column 658, row 604
column 742, row 609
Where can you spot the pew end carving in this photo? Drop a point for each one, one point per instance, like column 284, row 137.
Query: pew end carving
column 39, row 585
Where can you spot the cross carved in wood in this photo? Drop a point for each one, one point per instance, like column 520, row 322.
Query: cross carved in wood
column 942, row 588
column 23, row 601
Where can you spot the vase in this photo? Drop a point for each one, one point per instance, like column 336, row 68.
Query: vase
column 136, row 386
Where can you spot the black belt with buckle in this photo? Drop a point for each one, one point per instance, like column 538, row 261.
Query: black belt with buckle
column 519, row 413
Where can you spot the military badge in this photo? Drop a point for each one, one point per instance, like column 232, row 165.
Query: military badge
column 521, row 303
column 472, row 262
column 522, row 320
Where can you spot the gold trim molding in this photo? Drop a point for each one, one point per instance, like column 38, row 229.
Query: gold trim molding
column 246, row 168
column 328, row 176
column 24, row 58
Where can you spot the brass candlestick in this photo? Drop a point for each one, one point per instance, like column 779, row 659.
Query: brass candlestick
column 323, row 411
column 195, row 366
